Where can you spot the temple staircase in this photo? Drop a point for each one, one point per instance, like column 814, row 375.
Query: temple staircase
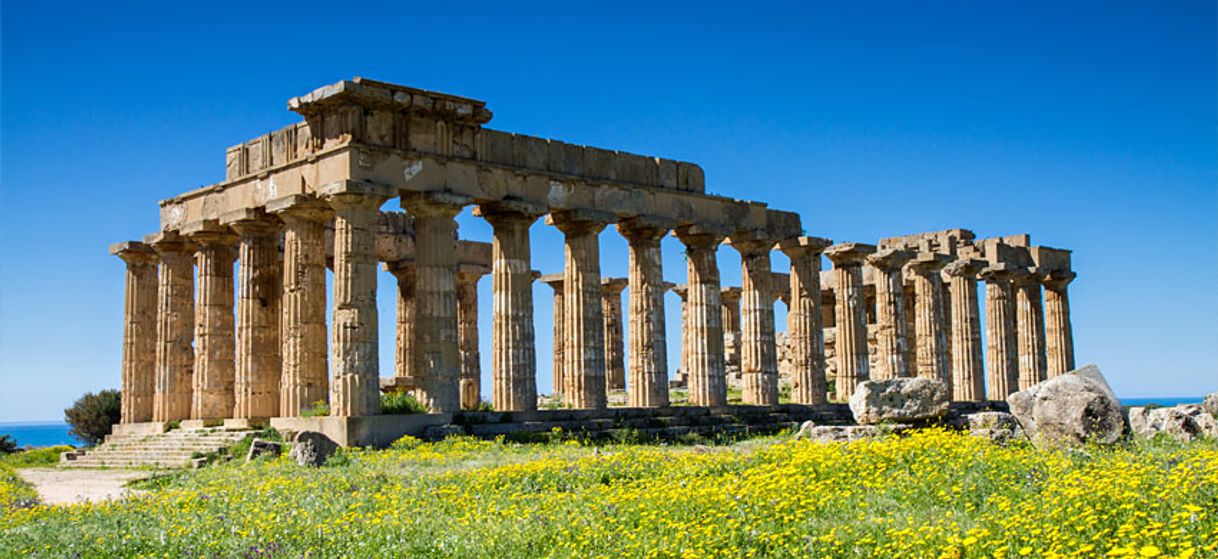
column 173, row 449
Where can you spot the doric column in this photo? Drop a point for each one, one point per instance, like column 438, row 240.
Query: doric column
column 850, row 316
column 648, row 345
column 560, row 336
column 1030, row 326
column 259, row 284
column 730, row 299
column 354, row 361
column 682, row 292
column 304, row 382
column 583, row 318
column 805, row 329
column 139, row 331
column 968, row 382
column 1002, row 358
column 615, row 351
column 467, row 336
column 437, row 346
column 706, row 378
column 758, row 352
column 404, row 364
column 892, row 334
column 175, row 354
column 1059, row 336
column 513, row 352
column 215, row 341
column 930, row 324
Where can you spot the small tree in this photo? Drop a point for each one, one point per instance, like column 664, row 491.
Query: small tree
column 93, row 415
column 7, row 444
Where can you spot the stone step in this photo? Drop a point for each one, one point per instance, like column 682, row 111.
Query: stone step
column 175, row 448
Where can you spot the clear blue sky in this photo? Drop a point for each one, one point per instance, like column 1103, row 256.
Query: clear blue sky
column 1089, row 125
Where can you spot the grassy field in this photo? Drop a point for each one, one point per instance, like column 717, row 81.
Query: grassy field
column 932, row 494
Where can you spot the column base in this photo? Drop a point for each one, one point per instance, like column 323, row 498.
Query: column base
column 144, row 428
column 370, row 430
column 245, row 423
column 201, row 423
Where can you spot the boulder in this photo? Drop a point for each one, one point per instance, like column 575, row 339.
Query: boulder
column 260, row 447
column 997, row 426
column 310, row 448
column 1183, row 423
column 1071, row 409
column 1211, row 403
column 898, row 400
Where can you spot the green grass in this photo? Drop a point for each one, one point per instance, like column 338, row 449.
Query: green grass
column 33, row 458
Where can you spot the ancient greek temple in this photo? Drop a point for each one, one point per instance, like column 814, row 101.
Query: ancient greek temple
column 205, row 346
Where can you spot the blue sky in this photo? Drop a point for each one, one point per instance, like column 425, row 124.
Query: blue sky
column 1090, row 126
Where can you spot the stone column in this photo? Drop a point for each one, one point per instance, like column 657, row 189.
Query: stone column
column 1002, row 372
column 175, row 354
column 615, row 351
column 730, row 298
column 1059, row 336
column 139, row 331
column 260, row 279
column 850, row 342
column 758, row 354
column 215, row 342
column 1030, row 326
column 892, row 334
column 514, row 357
column 437, row 347
column 467, row 336
column 583, row 318
column 560, row 336
column 404, row 372
column 355, row 379
column 706, row 378
column 805, row 329
column 682, row 292
column 968, row 383
column 648, row 345
column 930, row 324
column 304, row 382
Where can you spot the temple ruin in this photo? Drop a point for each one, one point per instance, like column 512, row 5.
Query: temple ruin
column 203, row 346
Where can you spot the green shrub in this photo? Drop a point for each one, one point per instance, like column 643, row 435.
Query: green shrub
column 45, row 456
column 400, row 403
column 7, row 445
column 93, row 416
column 319, row 409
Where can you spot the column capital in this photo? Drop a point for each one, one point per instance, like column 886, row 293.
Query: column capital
column 401, row 269
column 751, row 242
column 644, row 227
column 964, row 267
column 613, row 286
column 434, row 204
column 169, row 243
column 800, row 246
column 848, row 254
column 1002, row 271
column 209, row 232
column 250, row 221
column 470, row 273
column 134, row 253
column 349, row 193
column 555, row 281
column 1057, row 280
column 699, row 236
column 579, row 221
column 510, row 209
column 730, row 294
column 300, row 207
column 889, row 259
column 927, row 263
column 680, row 289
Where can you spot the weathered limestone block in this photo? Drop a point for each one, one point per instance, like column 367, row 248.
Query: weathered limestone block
column 175, row 327
column 1184, row 422
column 999, row 427
column 968, row 382
column 259, row 282
column 853, row 366
column 1059, row 336
column 615, row 352
column 355, row 378
column 262, row 447
column 139, row 331
column 215, row 338
column 648, row 345
column 930, row 321
column 1210, row 403
column 437, row 346
column 805, row 343
column 810, row 431
column 513, row 356
column 891, row 335
column 706, row 376
column 310, row 448
column 1002, row 372
column 583, row 317
column 1072, row 409
column 304, row 380
column 467, row 336
column 899, row 399
column 758, row 356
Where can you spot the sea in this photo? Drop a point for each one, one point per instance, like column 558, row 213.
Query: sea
column 52, row 433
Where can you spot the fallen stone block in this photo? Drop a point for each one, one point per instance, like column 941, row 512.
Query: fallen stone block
column 260, row 447
column 899, row 400
column 1072, row 409
column 1184, row 422
column 310, row 448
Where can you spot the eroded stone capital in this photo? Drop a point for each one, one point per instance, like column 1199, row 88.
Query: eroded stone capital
column 134, row 253
column 848, row 254
column 210, row 233
column 800, row 246
column 926, row 263
column 730, row 295
column 510, row 210
column 644, row 228
column 965, row 267
column 298, row 207
column 575, row 222
column 433, row 204
column 699, row 237
column 170, row 243
column 613, row 286
column 1002, row 271
column 1057, row 280
column 889, row 260
column 250, row 221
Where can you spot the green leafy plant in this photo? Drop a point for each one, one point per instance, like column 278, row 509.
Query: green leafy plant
column 93, row 416
column 319, row 409
column 400, row 403
column 7, row 445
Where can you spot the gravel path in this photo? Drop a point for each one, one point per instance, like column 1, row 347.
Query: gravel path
column 65, row 486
